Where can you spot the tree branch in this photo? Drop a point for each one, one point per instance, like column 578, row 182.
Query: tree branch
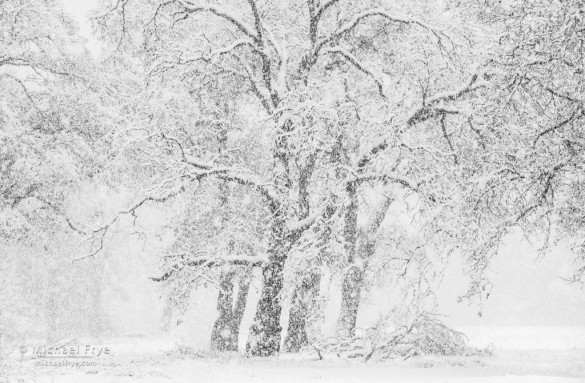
column 428, row 110
column 347, row 27
column 361, row 67
column 211, row 261
column 389, row 177
column 234, row 20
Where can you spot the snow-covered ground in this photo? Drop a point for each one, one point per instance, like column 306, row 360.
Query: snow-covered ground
column 532, row 354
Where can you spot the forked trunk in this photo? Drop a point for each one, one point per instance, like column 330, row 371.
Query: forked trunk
column 226, row 329
column 266, row 331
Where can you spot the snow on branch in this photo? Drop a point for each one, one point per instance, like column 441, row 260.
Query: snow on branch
column 389, row 177
column 430, row 106
column 100, row 232
column 574, row 116
column 326, row 5
column 206, row 169
column 428, row 110
column 233, row 19
column 359, row 65
column 214, row 261
column 113, row 7
column 350, row 25
column 305, row 223
column 471, row 85
column 232, row 47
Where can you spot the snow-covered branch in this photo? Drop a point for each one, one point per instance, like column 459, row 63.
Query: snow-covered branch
column 350, row 25
column 388, row 177
column 214, row 261
column 113, row 7
column 431, row 106
column 470, row 86
column 305, row 223
column 358, row 64
column 100, row 232
column 206, row 169
column 222, row 13
column 326, row 5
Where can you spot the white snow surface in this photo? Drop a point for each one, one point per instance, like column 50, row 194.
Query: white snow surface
column 521, row 354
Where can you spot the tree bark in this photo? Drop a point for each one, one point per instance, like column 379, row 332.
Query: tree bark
column 226, row 329
column 350, row 301
column 358, row 256
column 351, row 286
column 302, row 306
column 265, row 333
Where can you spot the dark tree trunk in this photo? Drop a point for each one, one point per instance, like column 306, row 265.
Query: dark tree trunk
column 226, row 329
column 266, row 331
column 350, row 301
column 351, row 286
column 302, row 305
column 358, row 256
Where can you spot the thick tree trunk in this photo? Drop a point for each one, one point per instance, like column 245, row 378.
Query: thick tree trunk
column 303, row 303
column 226, row 329
column 358, row 256
column 351, row 286
column 266, row 331
column 350, row 301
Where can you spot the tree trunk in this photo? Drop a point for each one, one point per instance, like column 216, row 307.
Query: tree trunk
column 167, row 316
column 350, row 301
column 302, row 306
column 265, row 332
column 358, row 257
column 226, row 329
column 351, row 286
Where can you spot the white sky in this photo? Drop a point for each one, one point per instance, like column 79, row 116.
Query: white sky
column 526, row 292
column 79, row 9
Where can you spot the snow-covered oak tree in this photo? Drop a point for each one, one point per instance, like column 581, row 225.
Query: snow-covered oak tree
column 334, row 94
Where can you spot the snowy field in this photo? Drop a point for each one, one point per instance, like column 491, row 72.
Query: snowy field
column 536, row 354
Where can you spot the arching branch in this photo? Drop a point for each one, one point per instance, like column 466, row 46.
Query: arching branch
column 224, row 14
column 357, row 19
column 358, row 64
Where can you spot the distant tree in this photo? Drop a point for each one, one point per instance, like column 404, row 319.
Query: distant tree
column 54, row 125
column 529, row 121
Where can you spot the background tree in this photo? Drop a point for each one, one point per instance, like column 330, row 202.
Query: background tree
column 54, row 124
